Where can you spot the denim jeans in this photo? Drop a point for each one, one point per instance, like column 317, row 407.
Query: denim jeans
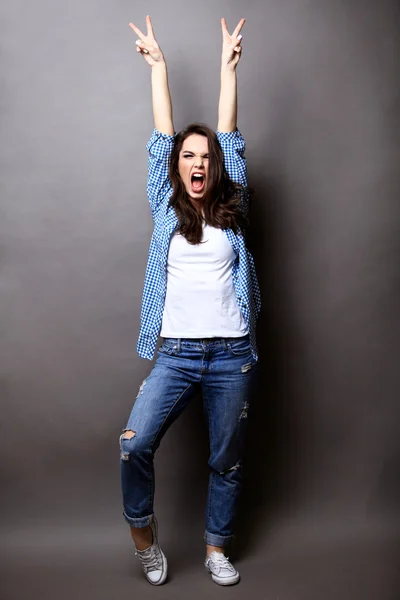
column 225, row 371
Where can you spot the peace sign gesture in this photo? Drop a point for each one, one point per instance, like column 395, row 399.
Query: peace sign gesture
column 147, row 44
column 231, row 48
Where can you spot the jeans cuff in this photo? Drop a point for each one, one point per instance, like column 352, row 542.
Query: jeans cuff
column 218, row 540
column 138, row 522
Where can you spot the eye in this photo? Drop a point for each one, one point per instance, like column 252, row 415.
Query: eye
column 191, row 156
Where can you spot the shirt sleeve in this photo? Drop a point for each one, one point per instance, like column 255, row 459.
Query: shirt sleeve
column 159, row 185
column 233, row 147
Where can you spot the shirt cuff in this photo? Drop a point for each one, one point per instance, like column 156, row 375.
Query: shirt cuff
column 232, row 137
column 161, row 139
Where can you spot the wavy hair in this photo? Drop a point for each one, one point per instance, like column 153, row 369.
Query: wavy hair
column 222, row 200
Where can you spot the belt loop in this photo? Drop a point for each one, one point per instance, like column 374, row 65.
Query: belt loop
column 179, row 345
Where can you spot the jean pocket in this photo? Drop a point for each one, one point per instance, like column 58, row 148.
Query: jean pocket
column 239, row 347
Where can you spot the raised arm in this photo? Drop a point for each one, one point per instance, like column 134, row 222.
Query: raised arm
column 231, row 52
column 230, row 138
column 162, row 139
column 148, row 47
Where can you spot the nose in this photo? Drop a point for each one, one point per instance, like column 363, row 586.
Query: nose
column 199, row 161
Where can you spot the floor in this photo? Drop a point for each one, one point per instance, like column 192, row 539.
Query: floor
column 295, row 561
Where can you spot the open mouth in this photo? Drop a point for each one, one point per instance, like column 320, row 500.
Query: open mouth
column 198, row 182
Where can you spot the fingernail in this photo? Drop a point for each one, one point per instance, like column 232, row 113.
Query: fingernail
column 137, row 42
column 240, row 37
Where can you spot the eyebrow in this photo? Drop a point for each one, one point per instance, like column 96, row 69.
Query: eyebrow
column 191, row 152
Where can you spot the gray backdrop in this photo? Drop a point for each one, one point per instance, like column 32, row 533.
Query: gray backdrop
column 319, row 109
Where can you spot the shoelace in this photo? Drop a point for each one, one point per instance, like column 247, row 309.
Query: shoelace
column 150, row 560
column 222, row 562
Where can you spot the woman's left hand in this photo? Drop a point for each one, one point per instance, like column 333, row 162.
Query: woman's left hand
column 231, row 48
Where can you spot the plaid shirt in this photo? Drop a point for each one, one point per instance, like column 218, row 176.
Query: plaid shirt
column 159, row 191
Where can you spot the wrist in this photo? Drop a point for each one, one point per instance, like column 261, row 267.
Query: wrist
column 160, row 63
column 226, row 68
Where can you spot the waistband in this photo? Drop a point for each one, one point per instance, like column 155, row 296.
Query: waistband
column 218, row 341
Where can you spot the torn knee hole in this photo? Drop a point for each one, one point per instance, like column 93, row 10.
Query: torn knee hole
column 128, row 435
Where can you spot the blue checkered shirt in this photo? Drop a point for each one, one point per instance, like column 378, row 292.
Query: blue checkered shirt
column 159, row 191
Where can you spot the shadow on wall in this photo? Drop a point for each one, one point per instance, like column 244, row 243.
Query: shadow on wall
column 279, row 449
column 279, row 435
column 272, row 448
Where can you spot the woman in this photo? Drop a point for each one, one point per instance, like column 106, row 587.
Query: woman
column 201, row 295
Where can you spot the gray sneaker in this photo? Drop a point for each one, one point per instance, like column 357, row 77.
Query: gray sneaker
column 222, row 571
column 153, row 560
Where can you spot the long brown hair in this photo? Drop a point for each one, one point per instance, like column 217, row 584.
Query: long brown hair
column 221, row 201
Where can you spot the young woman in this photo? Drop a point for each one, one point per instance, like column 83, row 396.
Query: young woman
column 201, row 295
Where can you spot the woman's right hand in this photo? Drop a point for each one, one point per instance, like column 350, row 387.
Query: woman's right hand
column 147, row 44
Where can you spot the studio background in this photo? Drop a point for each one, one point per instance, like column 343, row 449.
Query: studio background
column 318, row 88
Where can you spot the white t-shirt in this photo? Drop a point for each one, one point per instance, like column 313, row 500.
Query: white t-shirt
column 200, row 300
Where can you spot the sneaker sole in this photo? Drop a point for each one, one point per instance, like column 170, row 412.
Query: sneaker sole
column 224, row 580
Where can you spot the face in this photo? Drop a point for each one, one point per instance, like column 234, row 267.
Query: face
column 193, row 160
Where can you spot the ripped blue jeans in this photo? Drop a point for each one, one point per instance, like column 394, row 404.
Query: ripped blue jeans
column 224, row 370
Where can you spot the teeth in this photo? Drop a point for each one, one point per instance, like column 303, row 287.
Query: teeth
column 198, row 175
